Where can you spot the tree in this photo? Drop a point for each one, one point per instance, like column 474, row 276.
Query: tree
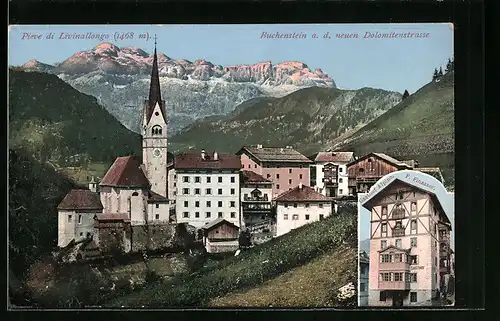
column 448, row 66
column 440, row 72
column 244, row 239
column 435, row 75
column 405, row 95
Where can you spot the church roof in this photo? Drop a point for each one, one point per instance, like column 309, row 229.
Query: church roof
column 80, row 199
column 125, row 172
column 155, row 91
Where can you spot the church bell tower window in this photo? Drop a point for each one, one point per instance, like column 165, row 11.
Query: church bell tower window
column 156, row 130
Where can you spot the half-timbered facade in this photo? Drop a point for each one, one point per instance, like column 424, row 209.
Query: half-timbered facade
column 405, row 224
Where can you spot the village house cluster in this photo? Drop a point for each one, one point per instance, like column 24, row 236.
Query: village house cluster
column 267, row 190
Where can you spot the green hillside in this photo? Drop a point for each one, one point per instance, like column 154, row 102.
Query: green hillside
column 420, row 127
column 55, row 122
column 305, row 119
column 255, row 266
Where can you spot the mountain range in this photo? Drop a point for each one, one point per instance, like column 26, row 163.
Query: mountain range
column 117, row 77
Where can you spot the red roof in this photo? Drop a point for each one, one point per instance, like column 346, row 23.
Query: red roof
column 194, row 161
column 112, row 217
column 301, row 194
column 80, row 199
column 274, row 154
column 253, row 177
column 126, row 172
column 341, row 157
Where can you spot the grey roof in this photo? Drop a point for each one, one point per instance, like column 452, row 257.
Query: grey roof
column 276, row 154
column 215, row 223
column 341, row 157
column 391, row 159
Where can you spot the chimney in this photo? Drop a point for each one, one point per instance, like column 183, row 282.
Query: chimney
column 300, row 185
column 93, row 185
column 216, row 156
column 259, row 146
column 203, row 154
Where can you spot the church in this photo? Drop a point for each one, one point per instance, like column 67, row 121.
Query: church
column 131, row 194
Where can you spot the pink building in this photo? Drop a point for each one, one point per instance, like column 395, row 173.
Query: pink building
column 285, row 167
column 409, row 232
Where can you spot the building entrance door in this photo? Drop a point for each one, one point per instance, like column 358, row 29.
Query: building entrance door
column 397, row 299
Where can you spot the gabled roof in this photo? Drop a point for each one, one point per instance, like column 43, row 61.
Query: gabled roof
column 125, row 172
column 213, row 224
column 433, row 171
column 156, row 198
column 252, row 177
column 334, row 157
column 393, row 248
column 80, row 199
column 301, row 194
column 194, row 161
column 274, row 154
column 386, row 158
column 112, row 217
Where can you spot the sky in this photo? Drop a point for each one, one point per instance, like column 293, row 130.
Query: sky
column 392, row 64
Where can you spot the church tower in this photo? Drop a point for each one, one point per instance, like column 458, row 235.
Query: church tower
column 154, row 135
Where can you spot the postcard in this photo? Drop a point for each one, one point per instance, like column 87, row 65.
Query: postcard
column 224, row 166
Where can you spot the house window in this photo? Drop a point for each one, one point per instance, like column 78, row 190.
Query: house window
column 185, row 191
column 255, row 165
column 289, row 171
column 340, row 180
column 209, row 180
column 307, row 205
column 398, row 276
column 233, row 179
column 220, row 214
column 278, row 186
column 209, row 203
column 320, row 205
column 340, row 191
column 157, row 216
column 208, row 214
column 382, row 296
column 384, row 211
column 197, row 214
column 197, row 203
column 208, row 191
column 383, row 244
column 413, row 225
column 185, row 214
column 186, row 204
column 413, row 206
column 197, row 191
column 233, row 204
column 69, row 218
column 81, row 233
column 197, row 179
column 233, row 214
column 157, row 205
column 219, row 191
column 340, row 169
column 384, row 227
column 285, row 216
column 398, row 257
column 294, row 204
column 219, row 179
column 300, row 176
column 249, row 166
column 277, row 176
column 295, row 217
column 413, row 242
column 398, row 243
column 290, row 181
column 385, row 258
column 307, row 217
column 412, row 277
column 413, row 259
column 385, row 276
column 79, row 219
column 400, row 196
column 321, row 216
column 219, row 203
column 286, row 205
column 185, row 179
column 268, row 175
column 413, row 296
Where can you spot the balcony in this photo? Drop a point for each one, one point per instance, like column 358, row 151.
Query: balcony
column 367, row 179
column 330, row 181
column 394, row 285
column 394, row 266
column 256, row 198
column 398, row 232
column 398, row 213
column 256, row 208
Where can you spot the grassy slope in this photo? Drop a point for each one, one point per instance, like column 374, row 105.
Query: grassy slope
column 420, row 127
column 311, row 285
column 280, row 121
column 251, row 268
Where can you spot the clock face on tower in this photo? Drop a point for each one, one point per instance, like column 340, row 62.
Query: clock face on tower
column 157, row 153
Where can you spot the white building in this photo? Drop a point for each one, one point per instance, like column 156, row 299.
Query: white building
column 300, row 206
column 208, row 188
column 331, row 173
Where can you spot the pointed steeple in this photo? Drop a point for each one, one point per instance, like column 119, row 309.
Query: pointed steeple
column 154, row 89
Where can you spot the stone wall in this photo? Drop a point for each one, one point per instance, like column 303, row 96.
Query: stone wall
column 153, row 237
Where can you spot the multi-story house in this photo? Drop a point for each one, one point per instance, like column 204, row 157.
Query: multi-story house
column 367, row 170
column 364, row 262
column 208, row 188
column 299, row 206
column 408, row 209
column 331, row 173
column 285, row 167
column 256, row 198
